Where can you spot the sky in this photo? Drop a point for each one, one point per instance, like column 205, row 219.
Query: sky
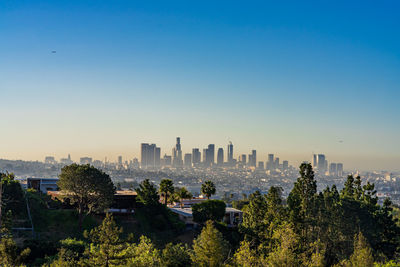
column 285, row 77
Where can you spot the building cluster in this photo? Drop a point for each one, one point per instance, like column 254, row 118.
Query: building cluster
column 151, row 158
column 320, row 164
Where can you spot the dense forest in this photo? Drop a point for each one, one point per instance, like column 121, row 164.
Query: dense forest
column 311, row 227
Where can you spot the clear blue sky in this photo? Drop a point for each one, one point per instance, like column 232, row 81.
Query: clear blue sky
column 283, row 77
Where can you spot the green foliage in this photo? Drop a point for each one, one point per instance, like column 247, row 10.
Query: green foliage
column 208, row 189
column 285, row 250
column 10, row 254
column 209, row 248
column 106, row 245
column 176, row 256
column 182, row 193
column 362, row 255
column 11, row 197
column 147, row 194
column 245, row 256
column 89, row 188
column 143, row 254
column 209, row 210
column 166, row 189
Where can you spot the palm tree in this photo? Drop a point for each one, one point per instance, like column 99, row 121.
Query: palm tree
column 182, row 193
column 166, row 187
column 208, row 189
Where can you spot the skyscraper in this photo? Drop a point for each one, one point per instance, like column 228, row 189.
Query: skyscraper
column 220, row 156
column 333, row 169
column 253, row 158
column 177, row 153
column 148, row 155
column 339, row 169
column 119, row 160
column 285, row 165
column 321, row 163
column 230, row 153
column 196, row 156
column 209, row 155
column 157, row 157
column 188, row 160
column 270, row 162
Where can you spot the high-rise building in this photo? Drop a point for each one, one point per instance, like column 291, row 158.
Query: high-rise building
column 188, row 160
column 149, row 155
column 167, row 160
column 157, row 157
column 196, row 156
column 314, row 161
column 270, row 162
column 209, row 155
column 177, row 153
column 321, row 163
column 261, row 165
column 339, row 169
column 276, row 163
column 333, row 169
column 230, row 153
column 253, row 158
column 243, row 159
column 119, row 160
column 220, row 156
column 285, row 165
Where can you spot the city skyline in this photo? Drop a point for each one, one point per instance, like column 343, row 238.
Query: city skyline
column 287, row 78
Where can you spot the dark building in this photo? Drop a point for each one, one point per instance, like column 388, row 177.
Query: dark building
column 220, row 157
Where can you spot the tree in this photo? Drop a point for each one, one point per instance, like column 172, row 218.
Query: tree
column 301, row 202
column 143, row 254
column 11, row 196
column 253, row 225
column 213, row 210
column 182, row 193
column 176, row 256
column 106, row 245
column 362, row 255
column 245, row 256
column 166, row 189
column 210, row 249
column 10, row 254
column 208, row 189
column 284, row 252
column 147, row 194
column 89, row 188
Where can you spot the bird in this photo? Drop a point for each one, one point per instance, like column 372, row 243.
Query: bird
column 340, row 141
column 53, row 52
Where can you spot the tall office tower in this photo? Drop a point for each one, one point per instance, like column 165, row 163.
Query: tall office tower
column 339, row 169
column 50, row 160
column 157, row 157
column 209, row 155
column 204, row 156
column 253, row 160
column 147, row 155
column 261, row 165
column 119, row 160
column 196, row 156
column 314, row 161
column 220, row 156
column 230, row 153
column 333, row 169
column 321, row 163
column 144, row 147
column 270, row 162
column 167, row 160
column 243, row 159
column 285, row 165
column 188, row 160
column 177, row 153
column 276, row 163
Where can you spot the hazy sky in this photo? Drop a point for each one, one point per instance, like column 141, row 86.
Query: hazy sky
column 283, row 77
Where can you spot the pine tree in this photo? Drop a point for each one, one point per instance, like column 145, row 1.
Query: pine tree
column 210, row 248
